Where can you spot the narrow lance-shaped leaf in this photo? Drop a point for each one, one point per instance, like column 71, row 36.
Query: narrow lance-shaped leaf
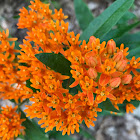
column 125, row 18
column 104, row 23
column 130, row 40
column 119, row 32
column 56, row 62
column 83, row 14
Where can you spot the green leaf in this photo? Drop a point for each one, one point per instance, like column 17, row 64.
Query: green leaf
column 86, row 134
column 106, row 113
column 134, row 52
column 83, row 14
column 56, row 62
column 127, row 16
column 16, row 17
column 104, row 23
column 130, row 39
column 107, row 105
column 58, row 136
column 119, row 32
column 33, row 132
column 135, row 103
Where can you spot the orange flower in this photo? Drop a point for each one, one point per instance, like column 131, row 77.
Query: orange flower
column 108, row 67
column 4, row 36
column 125, row 53
column 103, row 94
column 130, row 108
column 135, row 63
column 87, row 84
column 137, row 81
column 75, row 57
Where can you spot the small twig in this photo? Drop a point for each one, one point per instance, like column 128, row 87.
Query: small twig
column 23, row 102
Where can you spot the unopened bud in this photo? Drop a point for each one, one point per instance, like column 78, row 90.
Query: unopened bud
column 91, row 61
column 91, row 40
column 92, row 73
column 118, row 56
column 111, row 46
column 115, row 82
column 126, row 79
column 121, row 65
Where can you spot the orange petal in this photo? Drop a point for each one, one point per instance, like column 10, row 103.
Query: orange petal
column 104, row 79
column 58, row 110
column 74, row 84
column 12, row 39
column 62, row 77
column 46, row 108
column 90, row 97
column 7, row 32
column 99, row 99
column 112, row 97
column 109, row 89
column 116, row 74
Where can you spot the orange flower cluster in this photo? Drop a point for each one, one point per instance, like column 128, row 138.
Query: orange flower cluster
column 53, row 104
column 98, row 68
column 10, row 123
column 102, row 71
column 11, row 84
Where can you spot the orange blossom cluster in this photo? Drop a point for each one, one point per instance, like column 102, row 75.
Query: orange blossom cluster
column 10, row 123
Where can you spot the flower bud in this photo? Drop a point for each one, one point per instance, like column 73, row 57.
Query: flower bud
column 91, row 61
column 118, row 56
column 92, row 73
column 91, row 40
column 121, row 65
column 111, row 46
column 115, row 82
column 126, row 79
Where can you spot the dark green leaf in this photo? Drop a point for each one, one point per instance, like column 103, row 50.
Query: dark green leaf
column 16, row 16
column 33, row 132
column 58, row 136
column 83, row 14
column 107, row 105
column 135, row 103
column 86, row 134
column 104, row 23
column 56, row 62
column 65, row 137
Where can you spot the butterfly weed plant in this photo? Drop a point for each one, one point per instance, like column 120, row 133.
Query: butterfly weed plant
column 69, row 79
